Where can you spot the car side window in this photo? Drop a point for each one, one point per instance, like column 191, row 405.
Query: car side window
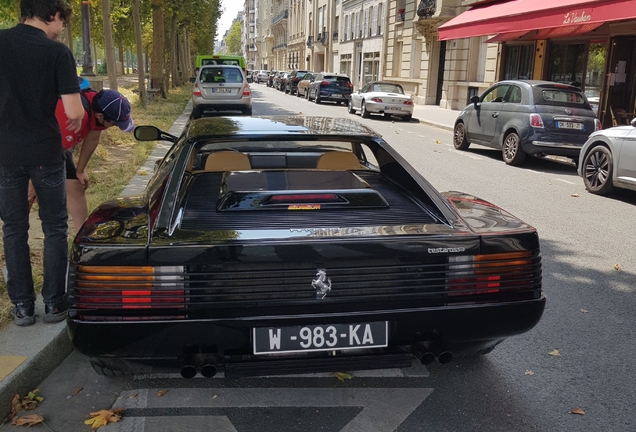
column 365, row 88
column 496, row 94
column 514, row 95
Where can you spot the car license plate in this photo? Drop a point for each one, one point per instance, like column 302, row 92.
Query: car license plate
column 337, row 96
column 221, row 90
column 270, row 340
column 388, row 108
column 569, row 125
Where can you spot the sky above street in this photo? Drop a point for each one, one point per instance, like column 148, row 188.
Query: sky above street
column 231, row 8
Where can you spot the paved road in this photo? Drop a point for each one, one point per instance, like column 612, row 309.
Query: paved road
column 519, row 387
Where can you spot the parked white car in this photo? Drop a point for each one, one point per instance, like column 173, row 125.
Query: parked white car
column 608, row 160
column 380, row 97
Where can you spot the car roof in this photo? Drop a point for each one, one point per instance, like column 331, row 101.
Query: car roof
column 210, row 127
column 209, row 66
column 538, row 83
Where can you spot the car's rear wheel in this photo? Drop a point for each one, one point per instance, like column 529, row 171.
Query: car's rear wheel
column 350, row 107
column 598, row 166
column 316, row 98
column 512, row 152
column 407, row 118
column 459, row 137
column 387, row 115
column 307, row 94
column 363, row 111
column 197, row 113
column 248, row 111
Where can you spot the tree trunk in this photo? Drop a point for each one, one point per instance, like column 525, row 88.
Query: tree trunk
column 188, row 55
column 172, row 39
column 157, row 63
column 108, row 45
column 120, row 48
column 140, row 53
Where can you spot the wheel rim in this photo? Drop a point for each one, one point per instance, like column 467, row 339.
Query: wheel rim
column 459, row 134
column 597, row 169
column 510, row 147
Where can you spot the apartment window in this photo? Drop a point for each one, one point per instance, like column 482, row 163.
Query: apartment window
column 381, row 17
column 518, row 61
column 347, row 30
column 356, row 25
column 371, row 67
column 345, row 64
column 365, row 23
column 374, row 21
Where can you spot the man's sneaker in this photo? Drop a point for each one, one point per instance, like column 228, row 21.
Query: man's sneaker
column 55, row 313
column 23, row 315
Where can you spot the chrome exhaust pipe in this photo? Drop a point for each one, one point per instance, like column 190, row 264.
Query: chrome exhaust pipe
column 423, row 354
column 208, row 370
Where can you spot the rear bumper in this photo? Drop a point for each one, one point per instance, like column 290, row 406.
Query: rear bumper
column 223, row 105
column 381, row 108
column 169, row 342
column 554, row 144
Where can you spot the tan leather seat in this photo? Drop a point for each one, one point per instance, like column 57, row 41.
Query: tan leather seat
column 338, row 160
column 227, row 161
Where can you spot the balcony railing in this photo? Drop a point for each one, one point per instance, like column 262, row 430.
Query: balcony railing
column 400, row 15
column 282, row 15
column 279, row 46
column 334, row 35
column 310, row 41
column 321, row 38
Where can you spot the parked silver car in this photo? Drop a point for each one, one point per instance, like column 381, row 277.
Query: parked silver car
column 608, row 160
column 221, row 88
column 381, row 97
column 261, row 76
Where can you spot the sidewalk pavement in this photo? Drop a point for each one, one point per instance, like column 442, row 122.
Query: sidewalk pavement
column 29, row 354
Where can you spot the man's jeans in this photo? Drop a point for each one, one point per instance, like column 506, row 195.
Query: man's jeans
column 49, row 184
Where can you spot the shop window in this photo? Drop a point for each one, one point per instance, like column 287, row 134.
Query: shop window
column 518, row 61
column 567, row 63
column 596, row 58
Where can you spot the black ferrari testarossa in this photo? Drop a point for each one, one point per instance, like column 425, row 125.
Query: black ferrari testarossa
column 281, row 245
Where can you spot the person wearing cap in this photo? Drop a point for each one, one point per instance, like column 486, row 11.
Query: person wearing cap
column 105, row 109
column 34, row 72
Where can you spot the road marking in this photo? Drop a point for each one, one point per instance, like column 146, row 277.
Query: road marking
column 565, row 181
column 383, row 409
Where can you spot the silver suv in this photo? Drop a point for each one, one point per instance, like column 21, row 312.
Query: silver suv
column 221, row 88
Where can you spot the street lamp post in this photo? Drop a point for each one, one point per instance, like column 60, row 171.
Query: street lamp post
column 87, row 66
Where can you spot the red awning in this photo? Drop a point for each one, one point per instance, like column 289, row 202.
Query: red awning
column 526, row 15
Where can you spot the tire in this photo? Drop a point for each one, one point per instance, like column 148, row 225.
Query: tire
column 512, row 152
column 598, row 167
column 363, row 110
column 316, row 99
column 103, row 369
column 307, row 94
column 247, row 111
column 387, row 116
column 350, row 107
column 459, row 137
column 197, row 113
column 407, row 118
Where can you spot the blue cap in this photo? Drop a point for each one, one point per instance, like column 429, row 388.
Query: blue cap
column 117, row 108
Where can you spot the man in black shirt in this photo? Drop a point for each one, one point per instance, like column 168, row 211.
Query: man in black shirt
column 34, row 72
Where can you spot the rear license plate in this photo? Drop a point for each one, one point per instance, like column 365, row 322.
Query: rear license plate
column 569, row 125
column 221, row 90
column 388, row 108
column 270, row 340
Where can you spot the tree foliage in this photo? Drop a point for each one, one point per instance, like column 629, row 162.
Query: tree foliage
column 233, row 39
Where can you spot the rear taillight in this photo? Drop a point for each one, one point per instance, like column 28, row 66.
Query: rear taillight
column 597, row 124
column 246, row 90
column 536, row 121
column 376, row 99
column 408, row 102
column 196, row 91
column 302, row 198
column 325, row 83
column 128, row 287
column 491, row 273
column 348, row 85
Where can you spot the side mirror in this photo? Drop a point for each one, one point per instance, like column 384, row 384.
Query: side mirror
column 192, row 79
column 152, row 133
column 474, row 99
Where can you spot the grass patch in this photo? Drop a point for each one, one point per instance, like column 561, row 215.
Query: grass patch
column 116, row 160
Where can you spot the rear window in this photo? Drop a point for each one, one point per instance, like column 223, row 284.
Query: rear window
column 557, row 96
column 218, row 75
column 340, row 79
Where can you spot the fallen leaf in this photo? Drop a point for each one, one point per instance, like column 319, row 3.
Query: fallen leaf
column 575, row 195
column 103, row 417
column 342, row 376
column 76, row 390
column 215, row 396
column 143, row 173
column 529, row 372
column 32, row 396
column 162, row 392
column 132, row 396
column 555, row 353
column 578, row 411
column 28, row 404
column 584, row 310
column 29, row 420
column 616, row 267
column 549, row 183
column 437, row 141
column 16, row 406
